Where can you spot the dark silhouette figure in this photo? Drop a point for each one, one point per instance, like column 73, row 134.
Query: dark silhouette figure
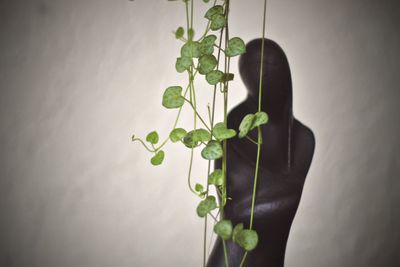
column 286, row 154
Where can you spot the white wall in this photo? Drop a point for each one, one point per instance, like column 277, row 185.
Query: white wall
column 77, row 78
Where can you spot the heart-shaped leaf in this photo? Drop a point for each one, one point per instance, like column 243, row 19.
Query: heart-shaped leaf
column 191, row 49
column 214, row 77
column 247, row 239
column 221, row 132
column 158, row 158
column 216, row 177
column 217, row 22
column 238, row 228
column 212, row 151
column 207, row 64
column 177, row 134
column 206, row 205
column 152, row 137
column 223, row 229
column 207, row 44
column 172, row 97
column 245, row 125
column 214, row 10
column 179, row 33
column 183, row 63
column 235, row 47
column 260, row 118
column 198, row 188
column 190, row 141
column 201, row 135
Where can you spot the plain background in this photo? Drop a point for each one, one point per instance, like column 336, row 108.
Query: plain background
column 78, row 78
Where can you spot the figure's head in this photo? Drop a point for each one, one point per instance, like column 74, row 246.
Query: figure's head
column 277, row 82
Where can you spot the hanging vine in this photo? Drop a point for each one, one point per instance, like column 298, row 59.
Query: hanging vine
column 208, row 57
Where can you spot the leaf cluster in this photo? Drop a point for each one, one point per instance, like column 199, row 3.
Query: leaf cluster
column 196, row 56
column 245, row 238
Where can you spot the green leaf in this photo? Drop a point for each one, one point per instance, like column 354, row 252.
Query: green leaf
column 212, row 151
column 251, row 121
column 217, row 22
column 260, row 118
column 191, row 49
column 183, row 63
column 158, row 158
column 198, row 188
column 177, row 134
column 235, row 47
column 172, row 97
column 207, row 64
column 221, row 132
column 207, row 44
column 206, row 1
column 201, row 135
column 214, row 77
column 245, row 125
column 214, row 10
column 206, row 205
column 189, row 140
column 209, row 39
column 238, row 228
column 179, row 33
column 223, row 228
column 216, row 177
column 152, row 137
column 247, row 239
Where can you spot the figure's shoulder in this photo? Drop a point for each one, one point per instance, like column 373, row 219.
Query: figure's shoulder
column 304, row 145
column 304, row 133
column 237, row 113
column 234, row 116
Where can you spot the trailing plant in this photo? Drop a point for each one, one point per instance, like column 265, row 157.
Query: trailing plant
column 208, row 57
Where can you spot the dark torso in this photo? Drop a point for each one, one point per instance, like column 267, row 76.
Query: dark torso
column 286, row 155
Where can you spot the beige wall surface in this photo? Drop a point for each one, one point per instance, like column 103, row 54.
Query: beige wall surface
column 77, row 78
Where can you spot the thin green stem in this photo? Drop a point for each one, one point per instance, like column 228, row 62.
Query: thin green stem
column 211, row 118
column 141, row 141
column 219, row 48
column 187, row 18
column 191, row 13
column 262, row 58
column 205, row 222
column 190, row 172
column 152, row 146
column 225, row 254
column 212, row 216
column 253, row 198
column 226, row 67
column 251, row 140
column 191, row 94
column 192, row 149
column 208, row 25
column 243, row 259
column 198, row 115
column 176, row 120
column 226, row 70
column 258, row 128
column 211, row 237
